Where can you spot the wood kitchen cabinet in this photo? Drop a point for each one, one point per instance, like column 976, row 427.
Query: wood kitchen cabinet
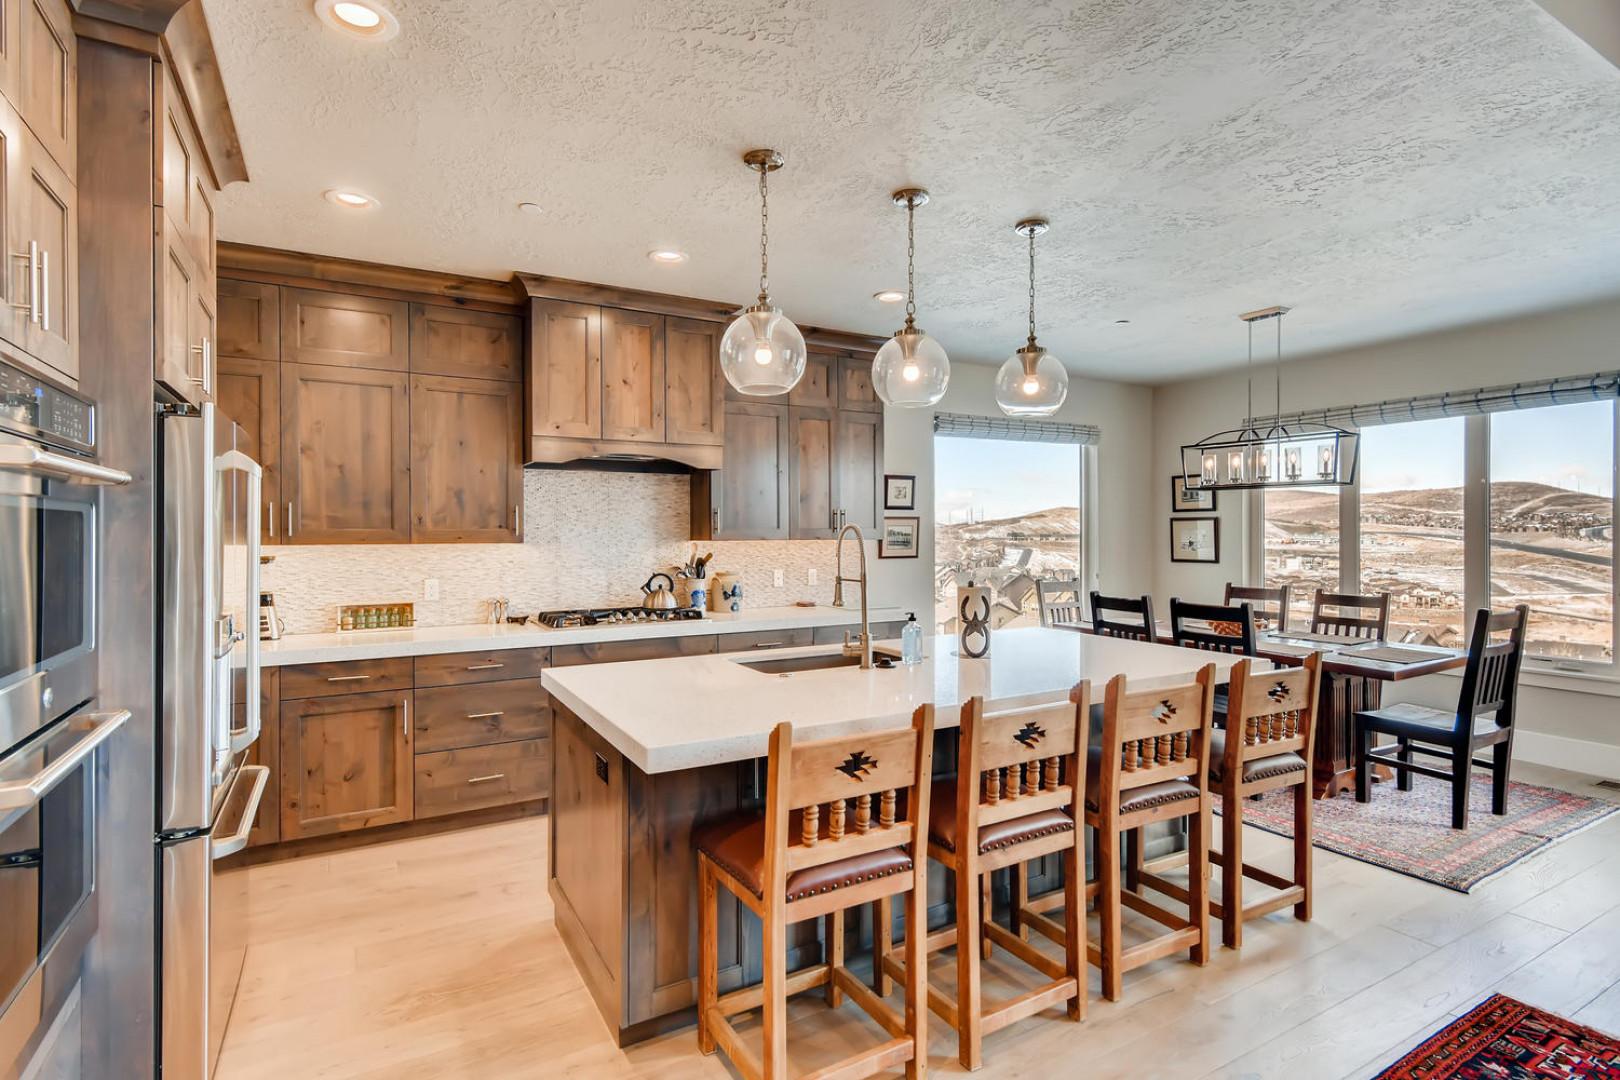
column 47, row 97
column 346, row 763
column 565, row 376
column 182, row 360
column 748, row 499
column 855, row 390
column 249, row 392
column 345, row 449
column 858, row 460
column 344, row 330
column 694, row 401
column 471, row 344
column 466, row 459
column 43, row 256
column 813, row 472
column 817, row 387
column 632, row 376
column 249, row 319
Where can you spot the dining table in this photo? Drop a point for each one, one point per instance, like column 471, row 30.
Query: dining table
column 1354, row 672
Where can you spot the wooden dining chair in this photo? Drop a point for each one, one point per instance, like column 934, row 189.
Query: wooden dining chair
column 808, row 856
column 1484, row 717
column 1137, row 623
column 1060, row 602
column 1150, row 767
column 1018, row 791
column 1212, row 627
column 1270, row 605
column 1357, row 617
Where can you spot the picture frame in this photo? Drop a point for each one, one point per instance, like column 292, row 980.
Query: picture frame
column 1185, row 500
column 899, row 491
column 901, row 538
column 1195, row 540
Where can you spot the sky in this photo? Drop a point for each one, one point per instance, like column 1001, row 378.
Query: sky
column 1568, row 446
column 997, row 479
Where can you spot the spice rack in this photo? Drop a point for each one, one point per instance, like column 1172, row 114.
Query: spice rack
column 359, row 618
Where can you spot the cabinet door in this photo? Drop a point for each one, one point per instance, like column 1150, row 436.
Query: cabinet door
column 177, row 366
column 345, row 763
column 345, row 449
column 249, row 392
column 201, row 332
column 11, row 49
column 859, row 452
column 750, row 494
column 48, row 239
column 817, row 387
column 694, row 394
column 49, row 91
column 341, row 330
column 472, row 344
column 466, row 459
column 855, row 389
column 632, row 375
column 14, row 279
column 565, row 380
column 249, row 319
column 814, row 472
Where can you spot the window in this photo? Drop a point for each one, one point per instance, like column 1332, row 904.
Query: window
column 1411, row 481
column 1552, row 526
column 1301, row 546
column 1006, row 514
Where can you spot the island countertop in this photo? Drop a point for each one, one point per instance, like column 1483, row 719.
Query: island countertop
column 688, row 712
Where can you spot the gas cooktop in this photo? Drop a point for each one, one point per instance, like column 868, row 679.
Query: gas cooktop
column 559, row 620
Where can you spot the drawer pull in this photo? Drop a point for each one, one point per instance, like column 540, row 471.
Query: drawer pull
column 768, row 644
column 484, row 667
column 487, row 779
column 346, row 678
column 484, row 715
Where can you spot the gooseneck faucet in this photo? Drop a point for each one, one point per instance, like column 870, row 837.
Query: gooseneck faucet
column 863, row 646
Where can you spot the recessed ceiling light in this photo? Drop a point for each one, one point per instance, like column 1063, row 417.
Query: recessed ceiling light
column 350, row 199
column 667, row 256
column 532, row 208
column 358, row 18
column 889, row 296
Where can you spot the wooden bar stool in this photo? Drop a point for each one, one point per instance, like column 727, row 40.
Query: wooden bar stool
column 1270, row 733
column 1018, row 791
column 1150, row 767
column 809, row 856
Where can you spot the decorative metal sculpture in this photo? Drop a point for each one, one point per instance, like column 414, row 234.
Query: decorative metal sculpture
column 973, row 614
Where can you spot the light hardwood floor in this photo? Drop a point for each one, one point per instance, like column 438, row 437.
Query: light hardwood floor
column 437, row 957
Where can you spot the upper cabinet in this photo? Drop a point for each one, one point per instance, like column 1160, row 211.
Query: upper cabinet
column 249, row 319
column 855, row 389
column 345, row 444
column 473, row 344
column 609, row 382
column 466, row 472
column 48, row 92
column 186, row 361
column 344, row 330
column 39, row 218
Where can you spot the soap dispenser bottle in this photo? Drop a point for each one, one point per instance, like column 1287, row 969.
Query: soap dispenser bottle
column 911, row 640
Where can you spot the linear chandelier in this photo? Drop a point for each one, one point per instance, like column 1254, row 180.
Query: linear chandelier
column 1293, row 454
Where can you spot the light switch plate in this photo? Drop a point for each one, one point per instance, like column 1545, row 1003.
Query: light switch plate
column 777, row 578
column 430, row 588
column 814, row 574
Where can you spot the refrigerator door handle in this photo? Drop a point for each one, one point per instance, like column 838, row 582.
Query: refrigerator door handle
column 89, row 731
column 236, row 461
column 221, row 847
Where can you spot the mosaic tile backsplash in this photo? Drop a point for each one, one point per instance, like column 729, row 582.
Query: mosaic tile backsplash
column 590, row 538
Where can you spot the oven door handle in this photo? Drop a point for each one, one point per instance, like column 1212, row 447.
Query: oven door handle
column 220, row 847
column 26, row 458
column 82, row 734
column 236, row 461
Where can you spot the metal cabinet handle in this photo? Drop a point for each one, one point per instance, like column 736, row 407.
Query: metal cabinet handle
column 484, row 715
column 221, row 847
column 715, row 516
column 91, row 730
column 43, row 317
column 768, row 644
column 31, row 305
column 517, row 519
column 271, row 517
column 484, row 667
column 346, row 678
column 487, row 779
column 289, row 520
column 26, row 458
column 405, row 715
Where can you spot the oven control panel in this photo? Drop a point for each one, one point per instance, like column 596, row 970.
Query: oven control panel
column 36, row 409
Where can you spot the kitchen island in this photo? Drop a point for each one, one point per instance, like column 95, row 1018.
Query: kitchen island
column 646, row 751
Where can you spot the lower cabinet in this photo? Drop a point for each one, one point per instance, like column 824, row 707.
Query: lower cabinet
column 478, row 777
column 345, row 763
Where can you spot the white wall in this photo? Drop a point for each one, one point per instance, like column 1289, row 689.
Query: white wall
column 1577, row 341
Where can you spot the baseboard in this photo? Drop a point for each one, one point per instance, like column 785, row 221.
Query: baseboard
column 1576, row 755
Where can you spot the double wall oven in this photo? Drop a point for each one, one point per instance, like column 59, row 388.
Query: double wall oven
column 50, row 720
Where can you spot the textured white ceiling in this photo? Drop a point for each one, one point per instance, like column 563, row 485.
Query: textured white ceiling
column 1384, row 166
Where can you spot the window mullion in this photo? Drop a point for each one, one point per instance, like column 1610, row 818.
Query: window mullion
column 1476, row 516
column 1350, row 536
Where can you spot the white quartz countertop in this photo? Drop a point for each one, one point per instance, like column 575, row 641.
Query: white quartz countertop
column 430, row 641
column 687, row 712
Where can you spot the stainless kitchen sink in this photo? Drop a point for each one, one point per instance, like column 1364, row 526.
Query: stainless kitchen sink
column 788, row 665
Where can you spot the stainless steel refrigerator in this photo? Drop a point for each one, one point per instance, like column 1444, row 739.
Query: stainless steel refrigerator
column 208, row 584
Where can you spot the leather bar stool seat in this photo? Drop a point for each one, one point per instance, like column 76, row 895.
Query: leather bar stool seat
column 1254, row 769
column 942, row 823
column 737, row 844
column 1133, row 799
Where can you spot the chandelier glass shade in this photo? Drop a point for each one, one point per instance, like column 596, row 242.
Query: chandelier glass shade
column 1032, row 382
column 762, row 353
column 911, row 370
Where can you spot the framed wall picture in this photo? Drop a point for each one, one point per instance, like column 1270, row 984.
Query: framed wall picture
column 1195, row 540
column 899, row 492
column 900, row 538
column 1186, row 500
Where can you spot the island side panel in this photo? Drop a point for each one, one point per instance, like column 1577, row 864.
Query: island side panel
column 587, row 856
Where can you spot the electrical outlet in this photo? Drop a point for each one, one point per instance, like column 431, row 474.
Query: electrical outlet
column 777, row 578
column 814, row 574
column 430, row 588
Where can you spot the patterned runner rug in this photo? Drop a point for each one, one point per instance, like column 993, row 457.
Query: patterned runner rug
column 1503, row 1039
column 1410, row 831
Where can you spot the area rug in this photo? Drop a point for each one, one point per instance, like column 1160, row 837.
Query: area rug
column 1410, row 831
column 1503, row 1039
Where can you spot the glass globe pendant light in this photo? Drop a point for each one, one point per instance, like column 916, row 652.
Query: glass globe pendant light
column 911, row 370
column 762, row 352
column 1032, row 382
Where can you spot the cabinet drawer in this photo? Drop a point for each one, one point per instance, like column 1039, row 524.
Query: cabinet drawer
column 492, row 665
column 767, row 639
column 606, row 652
column 881, row 631
column 449, row 717
column 454, row 781
column 345, row 677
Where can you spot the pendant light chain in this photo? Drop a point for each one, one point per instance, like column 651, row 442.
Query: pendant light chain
column 911, row 263
column 1032, row 288
column 764, row 232
column 1249, row 370
column 1278, row 421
